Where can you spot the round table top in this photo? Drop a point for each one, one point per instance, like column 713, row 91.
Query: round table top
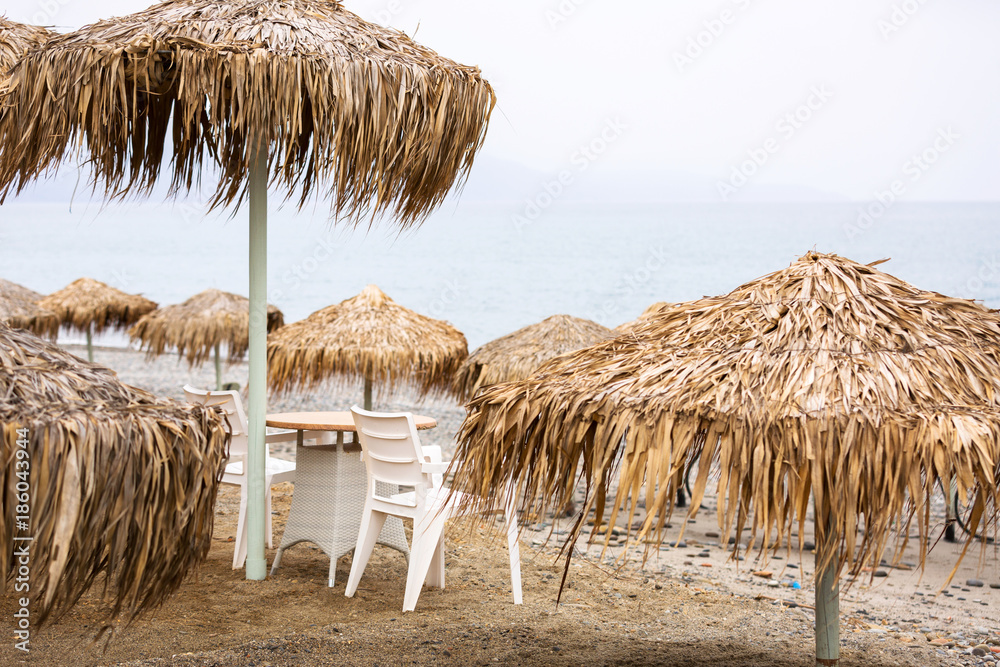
column 328, row 421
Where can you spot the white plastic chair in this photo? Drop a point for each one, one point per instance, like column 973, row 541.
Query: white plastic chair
column 392, row 454
column 275, row 471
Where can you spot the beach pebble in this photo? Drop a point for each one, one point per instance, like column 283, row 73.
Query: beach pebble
column 980, row 630
column 978, row 652
column 975, row 583
column 880, row 573
column 995, row 585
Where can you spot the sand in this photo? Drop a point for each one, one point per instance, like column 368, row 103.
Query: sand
column 688, row 604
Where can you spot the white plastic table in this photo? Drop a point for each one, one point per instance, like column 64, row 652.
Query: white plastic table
column 330, row 484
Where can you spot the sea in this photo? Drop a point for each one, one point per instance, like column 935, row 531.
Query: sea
column 490, row 268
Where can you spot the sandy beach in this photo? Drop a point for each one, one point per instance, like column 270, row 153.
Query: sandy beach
column 690, row 603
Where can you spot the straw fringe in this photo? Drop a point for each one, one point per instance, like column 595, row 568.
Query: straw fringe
column 366, row 335
column 90, row 304
column 196, row 326
column 829, row 380
column 516, row 355
column 350, row 110
column 19, row 309
column 122, row 485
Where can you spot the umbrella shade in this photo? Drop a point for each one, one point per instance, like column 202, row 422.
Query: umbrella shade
column 301, row 94
column 516, row 355
column 350, row 110
column 119, row 485
column 370, row 337
column 19, row 308
column 199, row 325
column 15, row 39
column 829, row 379
column 89, row 305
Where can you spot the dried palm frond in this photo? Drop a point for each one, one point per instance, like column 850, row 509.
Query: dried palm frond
column 122, row 485
column 90, row 305
column 19, row 309
column 200, row 324
column 15, row 39
column 516, row 355
column 368, row 336
column 828, row 381
column 646, row 314
column 348, row 110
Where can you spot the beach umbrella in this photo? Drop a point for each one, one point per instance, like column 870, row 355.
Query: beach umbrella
column 516, row 355
column 829, row 381
column 15, row 39
column 101, row 482
column 91, row 306
column 200, row 326
column 651, row 310
column 368, row 337
column 300, row 94
column 19, row 308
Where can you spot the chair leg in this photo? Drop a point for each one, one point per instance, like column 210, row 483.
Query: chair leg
column 435, row 573
column 240, row 552
column 267, row 513
column 427, row 533
column 514, row 553
column 371, row 526
column 277, row 561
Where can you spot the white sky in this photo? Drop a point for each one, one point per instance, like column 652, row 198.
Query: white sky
column 564, row 69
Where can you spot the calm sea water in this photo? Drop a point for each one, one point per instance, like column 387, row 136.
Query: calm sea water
column 487, row 271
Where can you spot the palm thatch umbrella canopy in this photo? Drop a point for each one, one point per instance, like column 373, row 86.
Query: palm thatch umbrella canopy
column 200, row 326
column 346, row 109
column 301, row 94
column 651, row 310
column 368, row 336
column 516, row 355
column 19, row 308
column 15, row 39
column 101, row 481
column 828, row 380
column 91, row 306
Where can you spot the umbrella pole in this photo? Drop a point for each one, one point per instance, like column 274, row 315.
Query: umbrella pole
column 827, row 602
column 368, row 392
column 256, row 563
column 218, row 369
column 90, row 344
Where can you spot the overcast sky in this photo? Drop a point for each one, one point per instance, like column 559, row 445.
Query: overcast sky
column 723, row 100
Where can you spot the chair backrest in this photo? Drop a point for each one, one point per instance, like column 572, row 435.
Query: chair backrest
column 391, row 449
column 231, row 404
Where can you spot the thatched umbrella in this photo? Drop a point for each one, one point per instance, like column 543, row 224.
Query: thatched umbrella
column 200, row 326
column 100, row 481
column 516, row 355
column 91, row 306
column 645, row 315
column 828, row 380
column 369, row 337
column 19, row 308
column 15, row 39
column 301, row 94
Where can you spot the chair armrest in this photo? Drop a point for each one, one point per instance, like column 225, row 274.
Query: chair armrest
column 434, row 468
column 282, row 436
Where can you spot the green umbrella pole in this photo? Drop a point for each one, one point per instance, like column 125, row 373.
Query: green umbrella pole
column 257, row 401
column 90, row 345
column 827, row 604
column 368, row 392
column 218, row 369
